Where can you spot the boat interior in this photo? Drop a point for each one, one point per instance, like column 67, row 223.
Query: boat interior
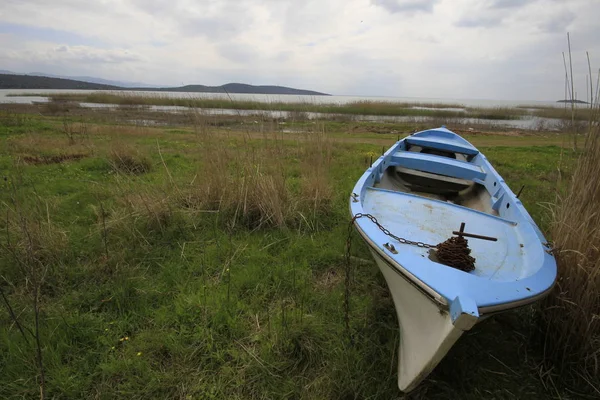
column 439, row 173
column 428, row 188
column 435, row 170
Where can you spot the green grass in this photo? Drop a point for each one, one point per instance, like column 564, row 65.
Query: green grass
column 148, row 294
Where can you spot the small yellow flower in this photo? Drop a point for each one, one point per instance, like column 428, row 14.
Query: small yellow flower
column 112, row 348
column 120, row 340
column 139, row 353
column 126, row 337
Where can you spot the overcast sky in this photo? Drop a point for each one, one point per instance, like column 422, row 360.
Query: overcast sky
column 491, row 49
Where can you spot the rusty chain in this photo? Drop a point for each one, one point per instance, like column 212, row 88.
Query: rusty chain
column 390, row 234
column 347, row 280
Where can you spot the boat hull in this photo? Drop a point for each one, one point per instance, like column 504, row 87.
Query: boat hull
column 426, row 329
column 418, row 194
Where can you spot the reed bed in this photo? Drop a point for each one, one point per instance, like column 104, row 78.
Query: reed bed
column 362, row 107
column 571, row 314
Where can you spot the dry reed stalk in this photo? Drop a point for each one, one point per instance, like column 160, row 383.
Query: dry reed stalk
column 572, row 95
column 571, row 314
column 316, row 190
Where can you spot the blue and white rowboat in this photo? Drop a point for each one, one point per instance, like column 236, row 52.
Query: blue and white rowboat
column 422, row 189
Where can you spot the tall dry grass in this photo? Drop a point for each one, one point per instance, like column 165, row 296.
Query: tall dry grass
column 571, row 314
column 315, row 188
column 125, row 158
column 250, row 181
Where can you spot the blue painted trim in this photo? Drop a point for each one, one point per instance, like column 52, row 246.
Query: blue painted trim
column 516, row 302
column 438, row 165
column 463, row 305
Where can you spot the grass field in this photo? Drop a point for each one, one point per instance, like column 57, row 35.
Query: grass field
column 206, row 261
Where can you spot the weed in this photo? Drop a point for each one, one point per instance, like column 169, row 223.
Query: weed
column 74, row 131
column 9, row 119
column 58, row 107
column 34, row 248
column 126, row 159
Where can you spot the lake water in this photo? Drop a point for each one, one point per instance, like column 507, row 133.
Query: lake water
column 425, row 103
column 286, row 98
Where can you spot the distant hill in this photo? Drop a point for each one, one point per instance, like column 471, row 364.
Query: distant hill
column 573, row 101
column 101, row 81
column 89, row 79
column 239, row 88
column 9, row 81
column 14, row 81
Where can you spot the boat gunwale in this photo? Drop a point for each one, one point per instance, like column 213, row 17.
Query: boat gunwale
column 431, row 293
column 487, row 307
column 444, row 305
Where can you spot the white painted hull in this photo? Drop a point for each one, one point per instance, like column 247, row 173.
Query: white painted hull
column 426, row 330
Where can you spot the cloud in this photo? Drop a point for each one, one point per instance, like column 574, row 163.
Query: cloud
column 238, row 52
column 88, row 54
column 558, row 23
column 405, row 6
column 76, row 54
column 216, row 29
column 49, row 34
column 487, row 21
column 216, row 20
column 441, row 48
column 491, row 14
column 510, row 3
